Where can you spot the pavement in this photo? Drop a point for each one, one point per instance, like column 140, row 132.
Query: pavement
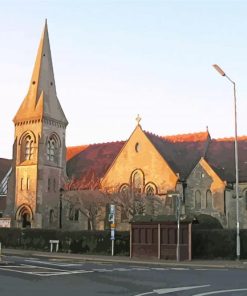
column 241, row 264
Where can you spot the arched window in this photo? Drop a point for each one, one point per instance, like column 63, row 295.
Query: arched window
column 74, row 213
column 209, row 200
column 51, row 216
column 137, row 182
column 124, row 190
column 27, row 146
column 28, row 184
column 22, row 183
column 198, row 201
column 150, row 190
column 52, row 145
column 54, row 185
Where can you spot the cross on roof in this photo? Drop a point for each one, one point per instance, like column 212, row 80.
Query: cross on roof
column 138, row 119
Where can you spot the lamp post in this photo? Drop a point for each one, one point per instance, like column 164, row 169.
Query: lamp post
column 222, row 73
column 61, row 191
column 177, row 197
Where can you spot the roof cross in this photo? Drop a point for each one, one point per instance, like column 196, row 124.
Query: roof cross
column 138, row 119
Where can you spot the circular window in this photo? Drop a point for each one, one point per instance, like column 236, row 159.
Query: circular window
column 137, row 147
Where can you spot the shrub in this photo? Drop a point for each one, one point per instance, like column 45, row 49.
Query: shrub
column 90, row 242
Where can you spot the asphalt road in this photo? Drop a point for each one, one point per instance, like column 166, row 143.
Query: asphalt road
column 25, row 276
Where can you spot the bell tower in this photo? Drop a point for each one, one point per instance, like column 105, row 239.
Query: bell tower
column 39, row 151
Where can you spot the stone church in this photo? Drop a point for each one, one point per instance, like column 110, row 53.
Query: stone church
column 33, row 184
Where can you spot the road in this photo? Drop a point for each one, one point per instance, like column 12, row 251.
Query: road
column 24, row 276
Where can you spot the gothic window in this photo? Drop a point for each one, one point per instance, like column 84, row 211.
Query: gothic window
column 27, row 147
column 73, row 213
column 22, row 183
column 51, row 216
column 28, row 184
column 76, row 215
column 52, row 148
column 54, row 185
column 150, row 190
column 125, row 195
column 209, row 200
column 198, row 201
column 49, row 184
column 124, row 190
column 137, row 182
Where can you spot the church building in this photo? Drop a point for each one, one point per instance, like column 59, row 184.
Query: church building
column 34, row 183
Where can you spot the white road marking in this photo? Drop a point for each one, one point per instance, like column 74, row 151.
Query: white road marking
column 210, row 269
column 102, row 270
column 140, row 268
column 121, row 269
column 159, row 268
column 64, row 273
column 51, row 263
column 171, row 290
column 179, row 268
column 220, row 292
column 42, row 267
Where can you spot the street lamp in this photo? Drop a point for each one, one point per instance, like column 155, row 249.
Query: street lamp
column 61, row 191
column 178, row 197
column 222, row 73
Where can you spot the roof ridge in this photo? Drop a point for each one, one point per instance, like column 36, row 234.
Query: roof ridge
column 226, row 139
column 191, row 137
column 111, row 142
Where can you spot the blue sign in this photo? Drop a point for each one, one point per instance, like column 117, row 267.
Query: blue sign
column 112, row 234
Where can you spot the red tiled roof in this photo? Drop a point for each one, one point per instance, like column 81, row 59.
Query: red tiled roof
column 87, row 164
column 91, row 163
column 5, row 165
column 195, row 137
column 74, row 150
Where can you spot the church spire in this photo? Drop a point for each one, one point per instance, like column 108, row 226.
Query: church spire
column 41, row 100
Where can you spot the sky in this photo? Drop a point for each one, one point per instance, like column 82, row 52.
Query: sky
column 114, row 59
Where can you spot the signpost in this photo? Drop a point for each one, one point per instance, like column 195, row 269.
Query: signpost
column 113, row 226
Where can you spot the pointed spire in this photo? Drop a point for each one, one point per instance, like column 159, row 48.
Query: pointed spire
column 41, row 100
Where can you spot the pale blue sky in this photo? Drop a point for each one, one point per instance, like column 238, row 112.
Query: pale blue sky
column 115, row 59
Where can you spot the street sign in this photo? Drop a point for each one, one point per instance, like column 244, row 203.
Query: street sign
column 112, row 209
column 113, row 234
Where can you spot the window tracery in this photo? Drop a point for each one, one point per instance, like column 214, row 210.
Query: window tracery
column 52, row 146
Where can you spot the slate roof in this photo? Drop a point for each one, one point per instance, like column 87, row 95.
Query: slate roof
column 88, row 163
column 221, row 157
column 182, row 153
column 5, row 165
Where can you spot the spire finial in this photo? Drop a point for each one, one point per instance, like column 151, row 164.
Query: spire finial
column 138, row 119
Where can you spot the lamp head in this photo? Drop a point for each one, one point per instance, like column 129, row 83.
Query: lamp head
column 219, row 70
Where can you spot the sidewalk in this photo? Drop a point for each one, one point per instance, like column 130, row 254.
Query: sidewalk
column 124, row 259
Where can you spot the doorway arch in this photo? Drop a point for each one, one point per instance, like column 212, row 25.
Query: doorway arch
column 24, row 216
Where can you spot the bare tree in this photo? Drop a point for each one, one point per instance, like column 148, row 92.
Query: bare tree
column 91, row 203
column 131, row 202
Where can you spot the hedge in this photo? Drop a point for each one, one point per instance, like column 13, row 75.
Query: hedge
column 206, row 243
column 90, row 242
